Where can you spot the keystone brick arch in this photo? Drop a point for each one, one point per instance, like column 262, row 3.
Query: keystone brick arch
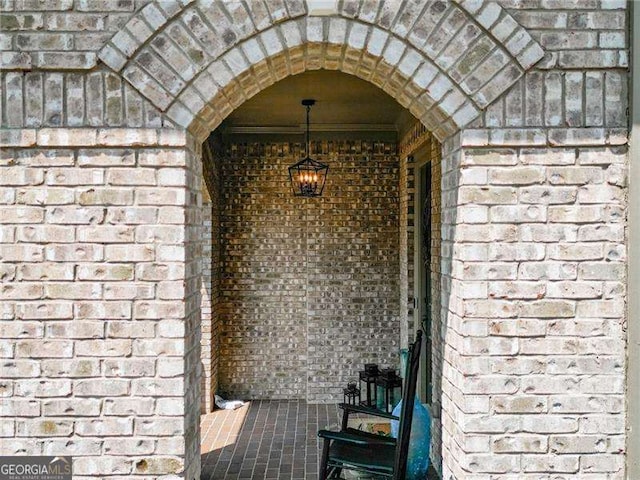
column 444, row 61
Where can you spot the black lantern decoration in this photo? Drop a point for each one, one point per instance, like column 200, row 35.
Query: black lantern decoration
column 308, row 176
column 388, row 390
column 352, row 394
column 368, row 378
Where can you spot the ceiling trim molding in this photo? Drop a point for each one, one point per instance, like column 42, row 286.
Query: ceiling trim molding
column 301, row 128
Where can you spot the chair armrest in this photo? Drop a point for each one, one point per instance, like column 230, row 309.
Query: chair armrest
column 367, row 410
column 351, row 438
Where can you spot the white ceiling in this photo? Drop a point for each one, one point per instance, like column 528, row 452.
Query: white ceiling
column 341, row 100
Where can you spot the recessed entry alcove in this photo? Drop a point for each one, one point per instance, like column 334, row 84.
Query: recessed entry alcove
column 301, row 292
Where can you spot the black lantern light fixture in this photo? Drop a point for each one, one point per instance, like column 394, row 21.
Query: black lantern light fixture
column 308, row 176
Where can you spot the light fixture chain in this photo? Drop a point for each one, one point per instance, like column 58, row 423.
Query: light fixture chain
column 308, row 136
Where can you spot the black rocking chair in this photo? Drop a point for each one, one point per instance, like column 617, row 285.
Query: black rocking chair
column 352, row 449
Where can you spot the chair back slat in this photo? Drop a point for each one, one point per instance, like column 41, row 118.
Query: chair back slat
column 406, row 412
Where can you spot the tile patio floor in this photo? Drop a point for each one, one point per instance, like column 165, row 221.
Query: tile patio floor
column 265, row 440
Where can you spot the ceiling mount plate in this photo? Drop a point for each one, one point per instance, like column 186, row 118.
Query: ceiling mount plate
column 308, row 102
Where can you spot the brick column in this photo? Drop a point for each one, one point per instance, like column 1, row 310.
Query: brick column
column 534, row 358
column 99, row 299
column 193, row 244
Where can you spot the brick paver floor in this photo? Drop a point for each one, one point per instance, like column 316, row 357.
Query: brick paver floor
column 265, row 440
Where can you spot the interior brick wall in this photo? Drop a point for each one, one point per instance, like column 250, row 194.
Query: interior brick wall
column 211, row 274
column 405, row 298
column 191, row 328
column 206, row 310
column 310, row 285
column 437, row 325
column 419, row 141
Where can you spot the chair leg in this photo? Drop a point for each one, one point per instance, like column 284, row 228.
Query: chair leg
column 345, row 420
column 325, row 459
column 336, row 472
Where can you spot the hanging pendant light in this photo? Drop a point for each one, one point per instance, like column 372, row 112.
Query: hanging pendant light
column 308, row 176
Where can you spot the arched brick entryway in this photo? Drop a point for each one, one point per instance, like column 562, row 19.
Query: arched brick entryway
column 227, row 53
column 120, row 352
column 445, row 77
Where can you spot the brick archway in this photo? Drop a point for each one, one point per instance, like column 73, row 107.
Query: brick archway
column 443, row 61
